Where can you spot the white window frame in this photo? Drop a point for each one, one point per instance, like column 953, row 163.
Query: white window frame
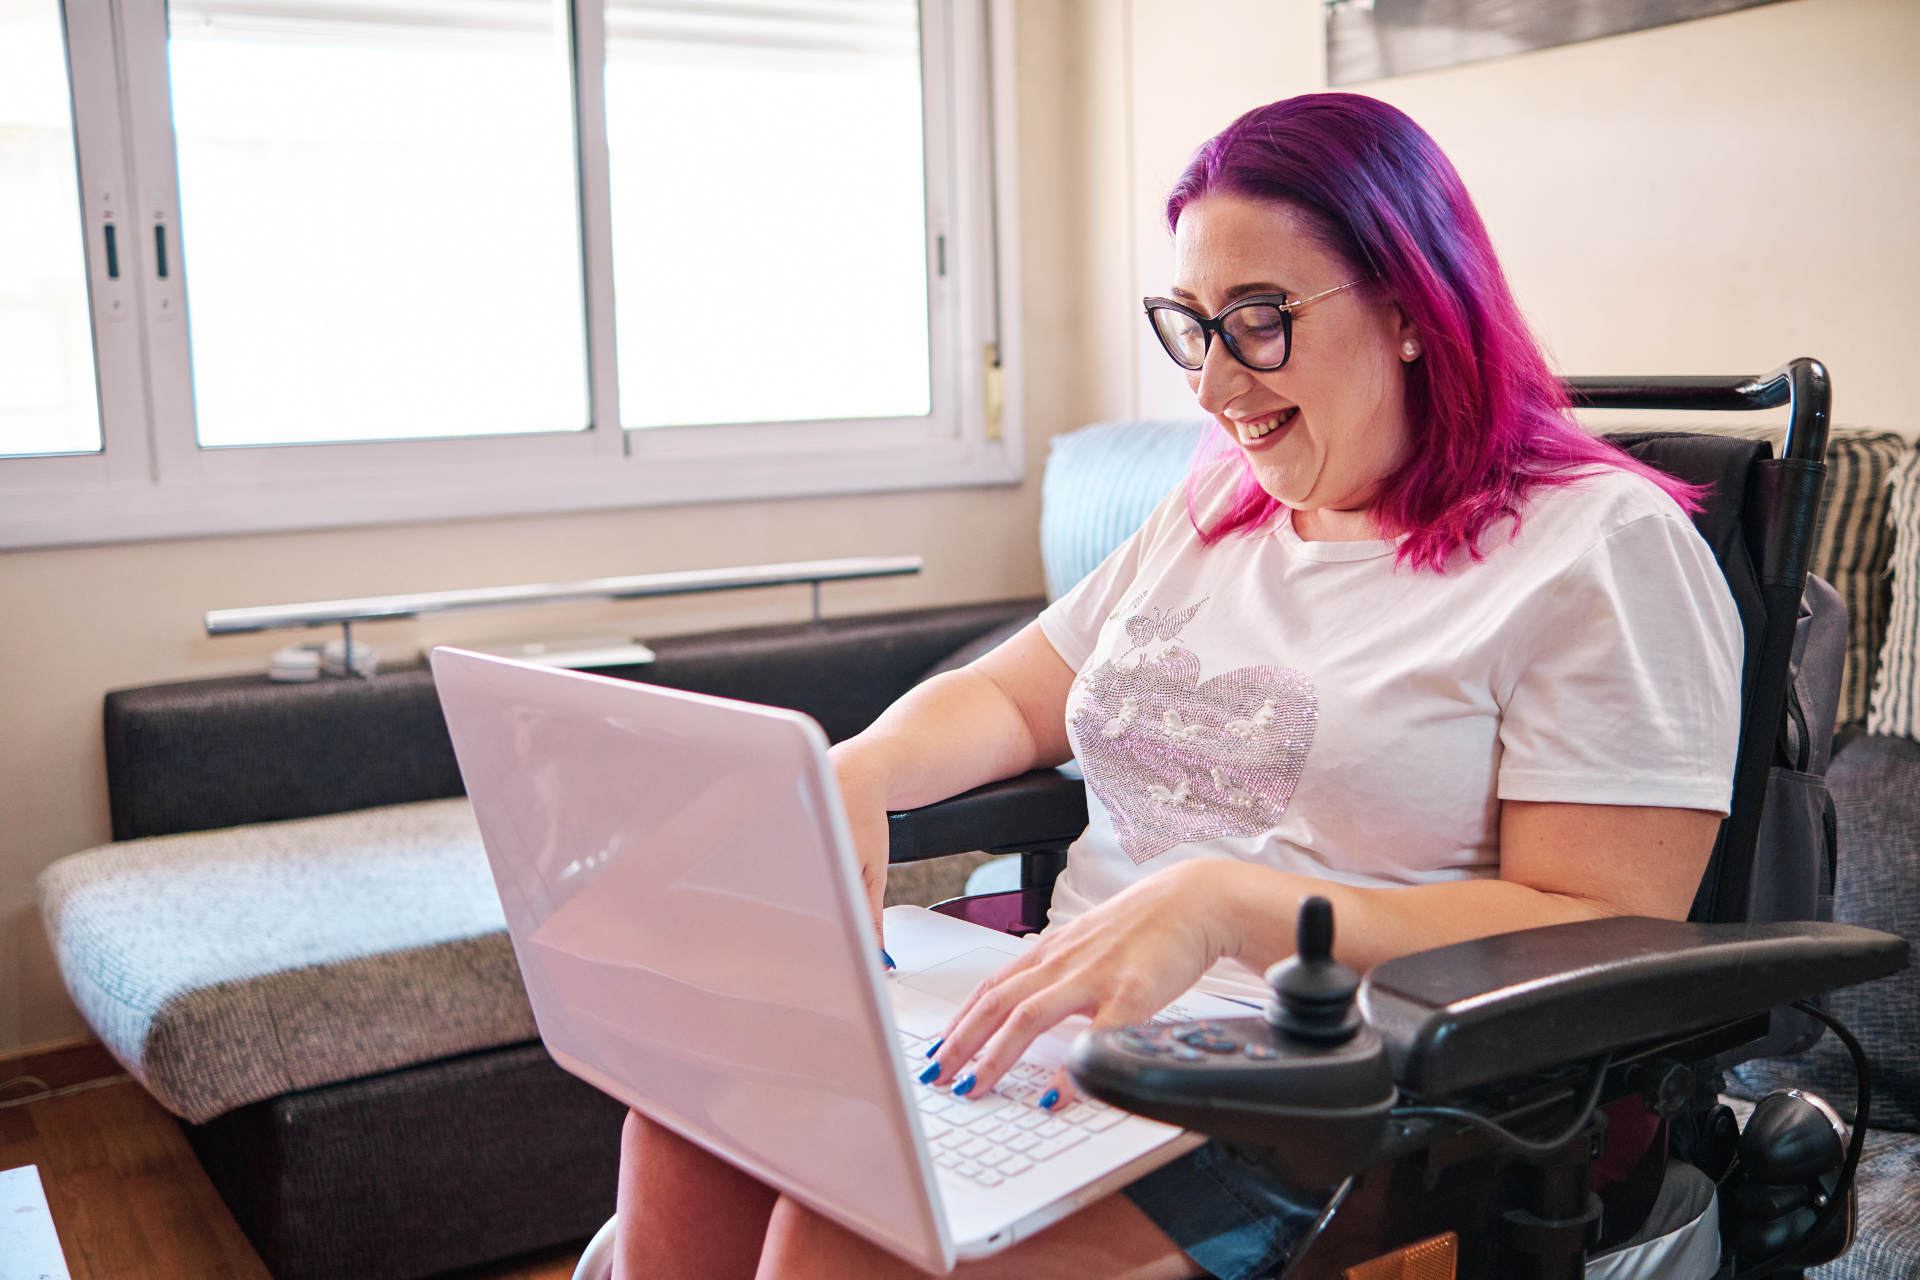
column 152, row 480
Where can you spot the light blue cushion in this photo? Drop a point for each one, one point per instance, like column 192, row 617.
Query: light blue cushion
column 1102, row 483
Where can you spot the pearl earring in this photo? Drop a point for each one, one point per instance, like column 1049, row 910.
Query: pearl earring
column 1410, row 350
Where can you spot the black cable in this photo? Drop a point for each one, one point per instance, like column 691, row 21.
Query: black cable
column 1843, row 1188
column 1507, row 1137
column 1299, row 1251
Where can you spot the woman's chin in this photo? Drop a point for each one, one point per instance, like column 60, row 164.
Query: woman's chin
column 1285, row 485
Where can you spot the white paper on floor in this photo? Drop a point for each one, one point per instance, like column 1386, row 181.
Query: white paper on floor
column 29, row 1246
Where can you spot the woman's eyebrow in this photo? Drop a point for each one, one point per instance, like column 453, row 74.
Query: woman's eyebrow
column 1234, row 294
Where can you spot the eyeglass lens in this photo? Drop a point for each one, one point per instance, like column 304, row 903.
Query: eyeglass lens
column 1256, row 334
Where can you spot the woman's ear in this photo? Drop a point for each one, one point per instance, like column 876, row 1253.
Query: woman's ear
column 1407, row 337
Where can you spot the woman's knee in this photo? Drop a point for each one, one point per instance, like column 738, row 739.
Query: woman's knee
column 804, row 1245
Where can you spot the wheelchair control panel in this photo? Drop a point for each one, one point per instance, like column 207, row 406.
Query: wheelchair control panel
column 1309, row 1082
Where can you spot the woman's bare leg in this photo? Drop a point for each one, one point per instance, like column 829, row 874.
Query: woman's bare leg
column 1108, row 1240
column 684, row 1214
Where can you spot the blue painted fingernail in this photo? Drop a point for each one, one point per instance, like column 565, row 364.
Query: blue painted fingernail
column 1048, row 1098
column 936, row 1046
column 887, row 960
column 931, row 1074
column 964, row 1085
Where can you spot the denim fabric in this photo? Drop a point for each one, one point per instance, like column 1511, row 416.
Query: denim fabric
column 1225, row 1212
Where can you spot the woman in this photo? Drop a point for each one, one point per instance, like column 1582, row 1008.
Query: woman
column 1409, row 639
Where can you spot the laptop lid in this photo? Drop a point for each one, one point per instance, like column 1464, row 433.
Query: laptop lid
column 677, row 879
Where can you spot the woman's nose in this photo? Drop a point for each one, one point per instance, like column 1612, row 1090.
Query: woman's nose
column 1219, row 379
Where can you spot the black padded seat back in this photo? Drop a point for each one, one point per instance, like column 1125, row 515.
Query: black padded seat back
column 1776, row 829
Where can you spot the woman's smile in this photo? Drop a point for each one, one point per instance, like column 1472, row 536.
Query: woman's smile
column 1253, row 433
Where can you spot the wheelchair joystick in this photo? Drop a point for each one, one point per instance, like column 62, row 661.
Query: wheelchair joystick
column 1312, row 992
column 1308, row 1083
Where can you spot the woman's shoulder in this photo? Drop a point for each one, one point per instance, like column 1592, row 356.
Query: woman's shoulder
column 1598, row 511
column 1593, row 504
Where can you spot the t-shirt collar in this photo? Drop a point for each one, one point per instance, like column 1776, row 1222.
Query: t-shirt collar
column 1330, row 552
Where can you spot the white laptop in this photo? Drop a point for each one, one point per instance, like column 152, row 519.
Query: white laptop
column 688, row 916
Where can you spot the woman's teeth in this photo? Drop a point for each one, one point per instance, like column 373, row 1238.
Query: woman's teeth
column 1260, row 427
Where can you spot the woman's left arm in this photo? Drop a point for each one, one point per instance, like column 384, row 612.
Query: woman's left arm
column 1558, row 862
column 1127, row 958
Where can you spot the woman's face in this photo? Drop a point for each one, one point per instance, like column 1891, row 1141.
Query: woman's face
column 1323, row 432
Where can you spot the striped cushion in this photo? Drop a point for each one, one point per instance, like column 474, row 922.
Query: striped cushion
column 1896, row 693
column 1853, row 550
column 1102, row 483
column 1853, row 541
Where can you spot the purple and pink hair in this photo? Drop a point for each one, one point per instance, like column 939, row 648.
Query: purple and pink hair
column 1489, row 420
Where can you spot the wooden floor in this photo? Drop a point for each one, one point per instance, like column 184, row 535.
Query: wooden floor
column 131, row 1203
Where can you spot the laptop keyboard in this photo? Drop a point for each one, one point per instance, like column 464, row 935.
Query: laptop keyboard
column 991, row 1137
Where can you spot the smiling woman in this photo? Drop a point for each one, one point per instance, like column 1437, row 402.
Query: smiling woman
column 1321, row 431
column 1408, row 640
column 1277, row 193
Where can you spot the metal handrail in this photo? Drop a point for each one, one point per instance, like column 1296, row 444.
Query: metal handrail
column 344, row 613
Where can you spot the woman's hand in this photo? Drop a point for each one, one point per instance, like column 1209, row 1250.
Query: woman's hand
column 1121, row 962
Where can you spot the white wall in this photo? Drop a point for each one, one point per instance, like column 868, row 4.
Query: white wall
column 1634, row 186
column 1715, row 196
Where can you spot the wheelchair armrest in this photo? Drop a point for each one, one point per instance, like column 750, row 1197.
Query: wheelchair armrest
column 1497, row 1008
column 1045, row 810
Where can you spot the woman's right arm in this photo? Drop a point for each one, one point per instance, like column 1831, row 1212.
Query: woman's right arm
column 1000, row 715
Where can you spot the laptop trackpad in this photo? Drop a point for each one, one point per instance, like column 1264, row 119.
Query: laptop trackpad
column 954, row 980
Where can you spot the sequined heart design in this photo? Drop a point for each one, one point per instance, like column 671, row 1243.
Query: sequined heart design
column 1174, row 760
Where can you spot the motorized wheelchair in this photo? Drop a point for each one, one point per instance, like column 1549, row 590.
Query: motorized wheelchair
column 1451, row 1101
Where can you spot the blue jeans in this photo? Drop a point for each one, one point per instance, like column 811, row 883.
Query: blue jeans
column 1225, row 1212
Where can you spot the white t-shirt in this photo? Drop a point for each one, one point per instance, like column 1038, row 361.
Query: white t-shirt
column 1314, row 707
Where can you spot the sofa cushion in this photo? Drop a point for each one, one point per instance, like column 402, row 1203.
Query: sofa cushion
column 1102, row 482
column 1896, row 690
column 1853, row 543
column 1886, row 1241
column 224, row 967
column 1876, row 796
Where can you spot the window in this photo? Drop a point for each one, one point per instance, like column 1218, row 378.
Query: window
column 381, row 217
column 413, row 259
column 47, row 400
column 806, row 238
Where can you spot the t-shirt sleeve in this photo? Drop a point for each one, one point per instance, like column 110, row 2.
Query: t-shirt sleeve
column 1624, row 687
column 1072, row 623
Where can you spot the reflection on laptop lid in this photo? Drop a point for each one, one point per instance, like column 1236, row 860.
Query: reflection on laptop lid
column 691, row 938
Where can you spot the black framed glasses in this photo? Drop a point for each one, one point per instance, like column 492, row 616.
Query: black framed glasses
column 1258, row 330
